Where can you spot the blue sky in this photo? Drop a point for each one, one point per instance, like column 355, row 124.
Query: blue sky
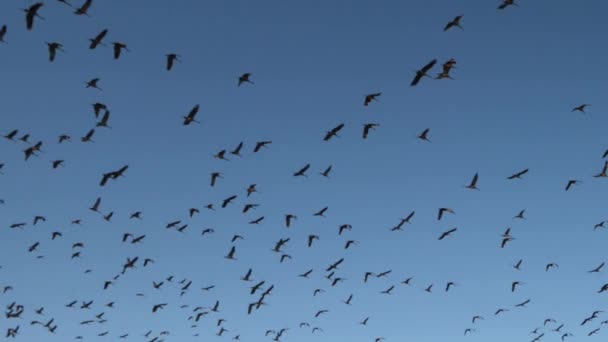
column 520, row 72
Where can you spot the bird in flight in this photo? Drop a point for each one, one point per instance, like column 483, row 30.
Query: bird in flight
column 423, row 72
column 244, row 78
column 454, row 23
column 371, row 97
column 31, row 13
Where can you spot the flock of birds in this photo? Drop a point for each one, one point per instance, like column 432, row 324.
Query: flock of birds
column 260, row 290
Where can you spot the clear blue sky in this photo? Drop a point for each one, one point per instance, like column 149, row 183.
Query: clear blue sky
column 519, row 74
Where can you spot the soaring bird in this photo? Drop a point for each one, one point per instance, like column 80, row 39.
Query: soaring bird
column 447, row 233
column 31, row 13
column 97, row 40
column 53, row 48
column 118, row 47
column 454, row 23
column 444, row 210
column 302, row 171
column 83, row 10
column 371, row 97
column 581, row 108
column 518, row 174
column 368, row 127
column 506, row 3
column 571, row 183
column 188, row 119
column 473, row 184
column 245, row 78
column 424, row 135
column 171, row 59
column 3, row 31
column 333, row 132
column 423, row 72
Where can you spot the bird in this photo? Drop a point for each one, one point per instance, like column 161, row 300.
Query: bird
column 581, row 108
column 302, row 171
column 31, row 13
column 473, row 184
column 171, row 59
column 571, row 183
column 423, row 72
column 444, row 210
column 333, row 132
column 424, row 135
column 93, row 83
column 519, row 174
column 506, row 3
column 118, row 47
column 326, row 172
column 454, row 23
column 83, row 10
column 447, row 233
column 53, row 47
column 371, row 97
column 190, row 118
column 367, row 128
column 244, row 78
column 3, row 30
column 98, row 39
column 598, row 268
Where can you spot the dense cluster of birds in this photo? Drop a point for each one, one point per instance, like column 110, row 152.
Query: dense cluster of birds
column 18, row 317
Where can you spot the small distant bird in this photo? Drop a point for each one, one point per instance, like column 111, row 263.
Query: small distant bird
column 53, row 48
column 245, row 78
column 423, row 72
column 333, row 132
column 454, row 23
column 424, row 135
column 473, row 184
column 506, row 3
column 57, row 163
column 93, row 84
column 326, row 172
column 83, row 10
column 581, row 108
column 118, row 47
column 371, row 97
column 551, row 265
column 3, row 31
column 190, row 118
column 97, row 40
column 367, row 128
column 604, row 171
column 571, row 183
column 447, row 233
column 31, row 13
column 171, row 59
column 518, row 174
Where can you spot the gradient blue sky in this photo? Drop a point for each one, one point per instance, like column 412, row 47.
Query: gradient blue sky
column 519, row 74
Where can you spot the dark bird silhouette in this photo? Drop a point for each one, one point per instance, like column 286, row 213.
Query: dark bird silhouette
column 190, row 118
column 98, row 39
column 518, row 174
column 84, row 9
column 302, row 171
column 31, row 13
column 454, row 23
column 333, row 132
column 245, row 78
column 367, row 128
column 424, row 135
column 171, row 59
column 447, row 233
column 571, row 183
column 53, row 47
column 473, row 184
column 506, row 3
column 423, row 72
column 118, row 47
column 3, row 31
column 371, row 97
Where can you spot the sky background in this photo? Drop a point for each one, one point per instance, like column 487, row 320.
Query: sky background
column 520, row 72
